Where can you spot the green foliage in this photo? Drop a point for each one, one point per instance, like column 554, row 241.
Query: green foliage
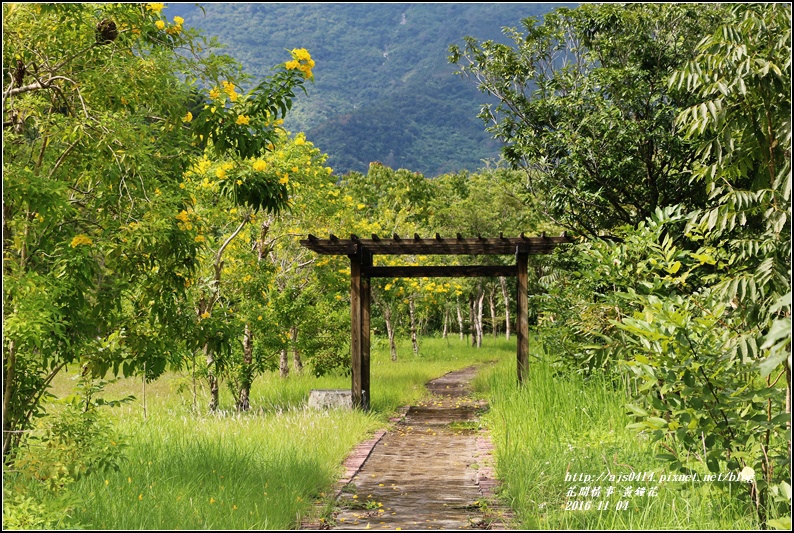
column 574, row 424
column 91, row 169
column 99, row 245
column 690, row 145
column 76, row 442
column 584, row 108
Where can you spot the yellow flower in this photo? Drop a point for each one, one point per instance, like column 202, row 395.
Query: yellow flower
column 239, row 182
column 284, row 180
column 173, row 30
column 259, row 165
column 292, row 65
column 301, row 54
column 81, row 239
column 205, row 314
column 179, row 20
column 140, row 497
column 243, row 120
column 300, row 141
column 160, row 24
column 214, row 93
column 154, row 6
column 307, row 70
column 199, row 238
column 182, row 216
column 188, row 117
column 212, row 500
column 220, row 173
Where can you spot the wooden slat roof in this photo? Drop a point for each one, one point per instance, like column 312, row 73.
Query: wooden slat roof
column 437, row 245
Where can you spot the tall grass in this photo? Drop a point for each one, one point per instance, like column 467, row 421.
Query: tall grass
column 557, row 425
column 186, row 469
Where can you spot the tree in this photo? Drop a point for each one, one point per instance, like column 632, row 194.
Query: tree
column 99, row 129
column 585, row 109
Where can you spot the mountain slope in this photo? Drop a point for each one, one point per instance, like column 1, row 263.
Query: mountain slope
column 384, row 90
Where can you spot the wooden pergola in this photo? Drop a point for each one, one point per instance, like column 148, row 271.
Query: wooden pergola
column 361, row 252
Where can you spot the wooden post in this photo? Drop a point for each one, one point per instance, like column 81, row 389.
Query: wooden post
column 359, row 328
column 522, row 318
column 355, row 328
column 366, row 261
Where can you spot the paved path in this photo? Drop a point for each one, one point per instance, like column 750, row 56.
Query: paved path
column 432, row 471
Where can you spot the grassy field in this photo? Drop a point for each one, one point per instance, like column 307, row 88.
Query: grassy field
column 557, row 429
column 258, row 470
column 264, row 469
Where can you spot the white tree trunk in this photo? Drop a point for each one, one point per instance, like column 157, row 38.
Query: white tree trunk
column 506, row 298
column 297, row 364
column 492, row 306
column 412, row 315
column 283, row 364
column 460, row 319
column 480, row 299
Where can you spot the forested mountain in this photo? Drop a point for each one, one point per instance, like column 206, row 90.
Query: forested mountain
column 384, row 90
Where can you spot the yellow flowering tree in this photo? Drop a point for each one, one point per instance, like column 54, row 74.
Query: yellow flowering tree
column 102, row 238
column 234, row 283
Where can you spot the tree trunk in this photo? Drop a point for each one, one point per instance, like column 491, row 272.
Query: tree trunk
column 412, row 315
column 8, row 381
column 788, row 410
column 387, row 316
column 211, row 378
column 297, row 364
column 243, row 401
column 492, row 305
column 506, row 299
column 446, row 323
column 390, row 331
column 472, row 321
column 283, row 365
column 460, row 319
column 480, row 299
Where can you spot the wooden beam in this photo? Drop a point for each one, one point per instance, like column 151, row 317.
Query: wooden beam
column 522, row 317
column 435, row 246
column 451, row 271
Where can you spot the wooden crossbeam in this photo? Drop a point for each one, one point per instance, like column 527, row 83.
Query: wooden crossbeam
column 435, row 245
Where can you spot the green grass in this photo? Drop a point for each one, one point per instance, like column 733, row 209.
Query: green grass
column 257, row 470
column 563, row 424
column 264, row 469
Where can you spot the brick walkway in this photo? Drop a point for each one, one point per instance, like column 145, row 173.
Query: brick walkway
column 434, row 470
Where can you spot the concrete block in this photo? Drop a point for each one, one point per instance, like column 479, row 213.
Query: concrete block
column 330, row 399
